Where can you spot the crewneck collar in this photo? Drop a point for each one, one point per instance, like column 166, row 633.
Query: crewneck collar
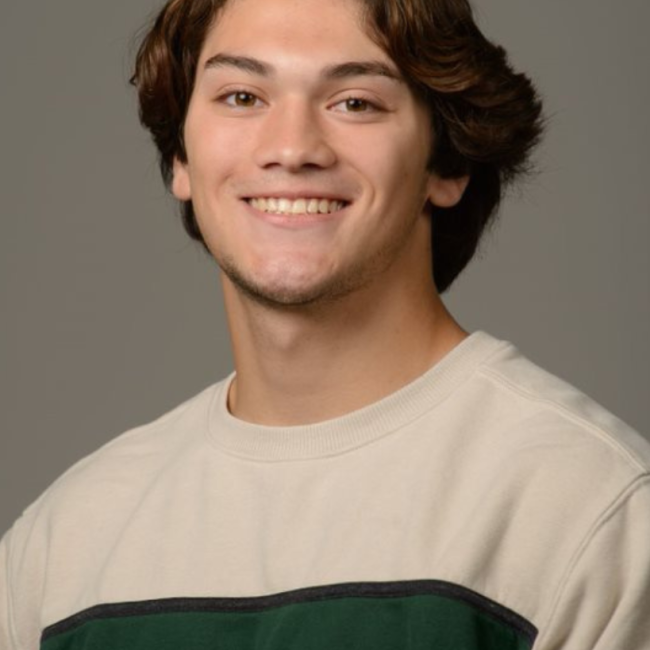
column 355, row 429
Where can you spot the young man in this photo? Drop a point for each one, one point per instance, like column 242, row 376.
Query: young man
column 371, row 476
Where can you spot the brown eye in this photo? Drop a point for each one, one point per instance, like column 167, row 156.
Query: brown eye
column 245, row 99
column 241, row 99
column 356, row 105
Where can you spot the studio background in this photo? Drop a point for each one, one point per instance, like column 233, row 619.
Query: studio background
column 111, row 316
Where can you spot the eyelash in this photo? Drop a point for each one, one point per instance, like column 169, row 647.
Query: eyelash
column 371, row 107
column 233, row 94
column 231, row 97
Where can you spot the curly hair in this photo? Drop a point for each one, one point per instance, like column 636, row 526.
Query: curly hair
column 486, row 117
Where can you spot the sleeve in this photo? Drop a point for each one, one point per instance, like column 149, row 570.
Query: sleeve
column 22, row 562
column 604, row 603
column 6, row 624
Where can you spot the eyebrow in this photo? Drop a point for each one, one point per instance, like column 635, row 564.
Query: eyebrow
column 360, row 69
column 330, row 72
column 245, row 63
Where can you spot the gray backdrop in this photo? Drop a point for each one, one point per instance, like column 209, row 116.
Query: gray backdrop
column 110, row 316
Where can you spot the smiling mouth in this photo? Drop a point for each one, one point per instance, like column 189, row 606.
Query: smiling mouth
column 273, row 205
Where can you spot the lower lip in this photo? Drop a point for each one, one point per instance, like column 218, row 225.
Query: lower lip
column 295, row 221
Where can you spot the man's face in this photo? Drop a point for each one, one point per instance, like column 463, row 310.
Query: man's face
column 306, row 153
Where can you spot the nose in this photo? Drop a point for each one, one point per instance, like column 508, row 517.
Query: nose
column 293, row 137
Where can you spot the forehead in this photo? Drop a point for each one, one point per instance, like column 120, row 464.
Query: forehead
column 286, row 31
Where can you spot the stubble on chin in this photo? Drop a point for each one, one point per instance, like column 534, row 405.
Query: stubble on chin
column 282, row 297
column 281, row 294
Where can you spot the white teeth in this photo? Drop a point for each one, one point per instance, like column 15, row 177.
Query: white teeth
column 299, row 206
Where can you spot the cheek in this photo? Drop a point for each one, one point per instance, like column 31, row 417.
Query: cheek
column 400, row 183
column 213, row 144
column 392, row 157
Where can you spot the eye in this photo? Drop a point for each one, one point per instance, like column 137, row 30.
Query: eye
column 241, row 99
column 356, row 105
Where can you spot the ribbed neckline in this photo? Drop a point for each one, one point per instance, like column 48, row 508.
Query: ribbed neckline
column 345, row 433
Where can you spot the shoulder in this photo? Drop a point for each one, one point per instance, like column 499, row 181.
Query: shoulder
column 79, row 515
column 564, row 486
column 586, row 476
column 550, row 412
column 561, row 464
column 120, row 469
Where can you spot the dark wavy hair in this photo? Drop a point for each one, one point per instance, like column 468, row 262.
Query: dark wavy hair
column 486, row 117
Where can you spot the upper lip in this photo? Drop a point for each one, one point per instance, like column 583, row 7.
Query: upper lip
column 294, row 195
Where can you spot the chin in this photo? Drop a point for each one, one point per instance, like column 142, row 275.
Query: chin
column 281, row 294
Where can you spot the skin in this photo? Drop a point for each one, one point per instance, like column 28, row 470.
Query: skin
column 327, row 313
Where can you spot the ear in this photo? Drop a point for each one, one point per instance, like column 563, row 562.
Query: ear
column 181, row 186
column 446, row 192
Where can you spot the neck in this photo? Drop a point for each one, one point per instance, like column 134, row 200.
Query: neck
column 313, row 364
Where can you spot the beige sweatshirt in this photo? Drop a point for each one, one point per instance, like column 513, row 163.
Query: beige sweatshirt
column 486, row 506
